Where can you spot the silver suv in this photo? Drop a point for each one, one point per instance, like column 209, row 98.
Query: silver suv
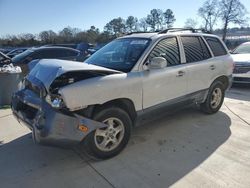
column 98, row 102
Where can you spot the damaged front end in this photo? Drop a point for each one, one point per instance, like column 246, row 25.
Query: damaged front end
column 42, row 109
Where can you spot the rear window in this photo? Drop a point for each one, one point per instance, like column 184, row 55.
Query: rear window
column 216, row 46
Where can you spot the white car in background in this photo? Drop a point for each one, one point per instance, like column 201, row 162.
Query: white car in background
column 241, row 57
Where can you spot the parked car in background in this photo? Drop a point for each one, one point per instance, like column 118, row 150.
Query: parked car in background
column 31, row 54
column 61, row 45
column 15, row 52
column 4, row 59
column 241, row 57
column 96, row 48
column 5, row 50
column 136, row 76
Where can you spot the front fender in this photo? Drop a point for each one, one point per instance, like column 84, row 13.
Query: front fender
column 100, row 90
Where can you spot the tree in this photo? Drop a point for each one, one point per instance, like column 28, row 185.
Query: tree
column 143, row 25
column 104, row 37
column 66, row 35
column 47, row 37
column 92, row 34
column 169, row 18
column 155, row 19
column 74, row 31
column 66, row 32
column 115, row 26
column 26, row 39
column 209, row 12
column 131, row 24
column 191, row 23
column 232, row 11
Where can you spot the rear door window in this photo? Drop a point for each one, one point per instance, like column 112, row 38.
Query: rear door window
column 44, row 54
column 216, row 46
column 61, row 53
column 195, row 49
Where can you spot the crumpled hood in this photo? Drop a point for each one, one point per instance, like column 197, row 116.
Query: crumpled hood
column 241, row 58
column 47, row 70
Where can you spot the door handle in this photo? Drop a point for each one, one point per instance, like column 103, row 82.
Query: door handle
column 180, row 73
column 212, row 67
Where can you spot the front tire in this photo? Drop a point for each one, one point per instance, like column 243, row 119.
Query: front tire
column 214, row 98
column 107, row 142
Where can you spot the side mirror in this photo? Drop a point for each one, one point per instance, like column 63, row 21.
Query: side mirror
column 157, row 63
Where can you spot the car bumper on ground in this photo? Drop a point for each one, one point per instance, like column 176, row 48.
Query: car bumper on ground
column 50, row 126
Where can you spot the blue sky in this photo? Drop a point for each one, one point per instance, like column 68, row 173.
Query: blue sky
column 33, row 16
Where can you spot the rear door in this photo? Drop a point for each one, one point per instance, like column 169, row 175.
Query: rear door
column 162, row 85
column 199, row 63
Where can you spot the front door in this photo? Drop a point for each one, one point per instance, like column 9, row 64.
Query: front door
column 162, row 85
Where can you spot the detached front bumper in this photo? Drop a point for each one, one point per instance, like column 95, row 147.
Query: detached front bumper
column 48, row 125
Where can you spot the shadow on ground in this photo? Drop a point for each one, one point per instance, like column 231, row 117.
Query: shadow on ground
column 239, row 92
column 159, row 153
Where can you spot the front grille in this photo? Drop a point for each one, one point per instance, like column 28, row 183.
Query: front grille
column 242, row 79
column 241, row 70
column 29, row 111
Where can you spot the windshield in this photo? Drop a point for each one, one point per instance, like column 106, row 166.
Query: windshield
column 21, row 56
column 242, row 49
column 121, row 54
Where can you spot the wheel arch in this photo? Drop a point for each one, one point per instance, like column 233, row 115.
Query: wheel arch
column 124, row 103
column 224, row 80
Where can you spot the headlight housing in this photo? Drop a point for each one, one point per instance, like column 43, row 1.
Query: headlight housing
column 55, row 101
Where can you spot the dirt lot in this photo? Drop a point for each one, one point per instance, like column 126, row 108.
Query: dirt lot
column 187, row 149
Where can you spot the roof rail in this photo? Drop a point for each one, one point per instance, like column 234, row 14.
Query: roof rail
column 170, row 30
column 137, row 32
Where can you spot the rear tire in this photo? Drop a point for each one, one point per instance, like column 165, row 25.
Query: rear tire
column 108, row 142
column 214, row 98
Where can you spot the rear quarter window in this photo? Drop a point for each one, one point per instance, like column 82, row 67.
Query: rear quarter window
column 216, row 46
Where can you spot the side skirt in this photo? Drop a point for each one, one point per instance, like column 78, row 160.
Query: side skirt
column 171, row 106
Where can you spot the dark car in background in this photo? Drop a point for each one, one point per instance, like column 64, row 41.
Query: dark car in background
column 241, row 57
column 74, row 46
column 96, row 48
column 15, row 52
column 31, row 54
column 5, row 50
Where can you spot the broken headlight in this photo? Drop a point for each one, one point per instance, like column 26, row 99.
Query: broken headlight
column 55, row 101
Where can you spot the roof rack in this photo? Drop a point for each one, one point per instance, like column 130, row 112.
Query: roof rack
column 137, row 32
column 171, row 30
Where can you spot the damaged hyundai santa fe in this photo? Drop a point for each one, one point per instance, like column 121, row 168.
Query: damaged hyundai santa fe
column 96, row 103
